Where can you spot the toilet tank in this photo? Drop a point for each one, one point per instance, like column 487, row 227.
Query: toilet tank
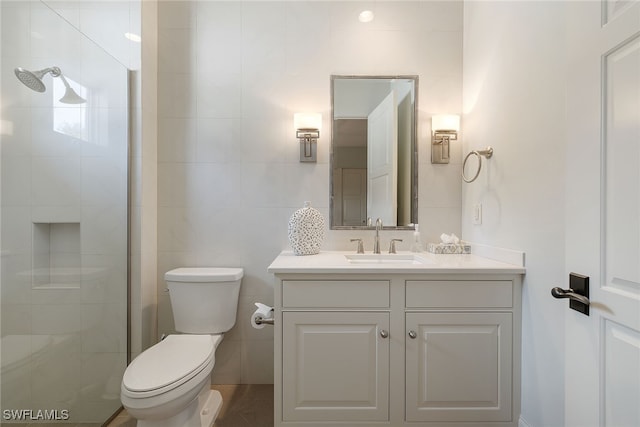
column 204, row 300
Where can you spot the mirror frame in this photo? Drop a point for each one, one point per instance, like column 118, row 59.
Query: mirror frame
column 414, row 177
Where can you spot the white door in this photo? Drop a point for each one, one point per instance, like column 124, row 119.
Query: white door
column 354, row 197
column 602, row 351
column 382, row 163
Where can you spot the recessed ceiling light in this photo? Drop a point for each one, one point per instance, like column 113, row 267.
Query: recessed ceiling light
column 365, row 16
column 133, row 37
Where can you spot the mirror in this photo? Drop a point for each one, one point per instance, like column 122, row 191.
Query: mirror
column 374, row 159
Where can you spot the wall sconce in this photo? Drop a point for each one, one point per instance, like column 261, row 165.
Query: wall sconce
column 444, row 129
column 307, row 126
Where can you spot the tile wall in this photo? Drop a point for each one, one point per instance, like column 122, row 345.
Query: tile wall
column 231, row 76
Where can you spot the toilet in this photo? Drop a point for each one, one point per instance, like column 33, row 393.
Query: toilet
column 169, row 385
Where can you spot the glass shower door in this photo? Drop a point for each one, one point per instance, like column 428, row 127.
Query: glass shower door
column 64, row 222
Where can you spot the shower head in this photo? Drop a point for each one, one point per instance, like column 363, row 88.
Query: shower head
column 33, row 79
column 70, row 95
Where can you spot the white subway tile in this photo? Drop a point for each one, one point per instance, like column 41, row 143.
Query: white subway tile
column 218, row 97
column 257, row 362
column 16, row 320
column 177, row 14
column 219, row 140
column 228, row 369
column 56, row 319
column 176, row 50
column 16, row 181
column 104, row 328
column 177, row 140
column 55, row 181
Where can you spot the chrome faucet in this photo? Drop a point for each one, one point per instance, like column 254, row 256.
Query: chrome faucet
column 376, row 240
column 360, row 249
column 392, row 245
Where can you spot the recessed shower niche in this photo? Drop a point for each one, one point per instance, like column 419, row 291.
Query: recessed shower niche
column 56, row 255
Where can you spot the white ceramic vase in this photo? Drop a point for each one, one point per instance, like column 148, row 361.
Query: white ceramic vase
column 306, row 230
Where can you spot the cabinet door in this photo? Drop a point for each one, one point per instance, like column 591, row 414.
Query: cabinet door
column 335, row 366
column 459, row 367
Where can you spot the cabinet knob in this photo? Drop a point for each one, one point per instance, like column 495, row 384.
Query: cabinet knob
column 384, row 334
column 412, row 335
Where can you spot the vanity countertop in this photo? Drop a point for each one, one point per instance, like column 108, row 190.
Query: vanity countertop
column 328, row 262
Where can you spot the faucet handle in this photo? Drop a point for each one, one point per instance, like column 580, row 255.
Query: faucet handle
column 360, row 249
column 392, row 245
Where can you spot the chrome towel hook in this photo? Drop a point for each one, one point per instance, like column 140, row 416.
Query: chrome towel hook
column 478, row 153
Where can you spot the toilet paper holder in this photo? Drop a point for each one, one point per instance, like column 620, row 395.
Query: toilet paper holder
column 262, row 316
column 264, row 321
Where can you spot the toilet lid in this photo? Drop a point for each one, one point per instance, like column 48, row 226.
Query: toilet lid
column 204, row 274
column 173, row 359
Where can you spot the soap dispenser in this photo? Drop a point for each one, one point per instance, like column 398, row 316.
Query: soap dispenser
column 416, row 245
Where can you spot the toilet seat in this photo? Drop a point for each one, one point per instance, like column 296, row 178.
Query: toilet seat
column 169, row 364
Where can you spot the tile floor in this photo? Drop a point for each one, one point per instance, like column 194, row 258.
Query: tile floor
column 244, row 405
column 50, row 424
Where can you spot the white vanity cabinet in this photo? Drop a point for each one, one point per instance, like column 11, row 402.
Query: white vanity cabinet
column 397, row 348
column 459, row 350
column 335, row 350
column 336, row 366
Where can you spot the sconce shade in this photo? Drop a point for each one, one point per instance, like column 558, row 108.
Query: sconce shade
column 307, row 121
column 445, row 122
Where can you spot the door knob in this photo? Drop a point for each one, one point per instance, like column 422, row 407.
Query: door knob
column 384, row 334
column 578, row 293
column 571, row 294
column 412, row 335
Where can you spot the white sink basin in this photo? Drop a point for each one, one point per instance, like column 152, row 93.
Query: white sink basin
column 386, row 259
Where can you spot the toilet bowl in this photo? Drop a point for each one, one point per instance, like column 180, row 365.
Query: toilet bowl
column 167, row 378
column 169, row 384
